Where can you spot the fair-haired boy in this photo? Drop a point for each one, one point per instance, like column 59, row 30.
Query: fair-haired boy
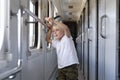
column 66, row 52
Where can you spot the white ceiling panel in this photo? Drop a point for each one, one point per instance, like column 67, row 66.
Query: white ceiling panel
column 69, row 9
column 70, row 1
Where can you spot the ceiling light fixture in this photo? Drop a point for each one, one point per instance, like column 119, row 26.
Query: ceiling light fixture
column 70, row 6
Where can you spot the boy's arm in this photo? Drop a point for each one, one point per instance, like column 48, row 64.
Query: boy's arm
column 54, row 22
column 65, row 27
column 48, row 36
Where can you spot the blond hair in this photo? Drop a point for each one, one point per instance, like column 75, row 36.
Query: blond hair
column 62, row 27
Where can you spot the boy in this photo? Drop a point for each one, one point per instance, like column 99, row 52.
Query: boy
column 66, row 52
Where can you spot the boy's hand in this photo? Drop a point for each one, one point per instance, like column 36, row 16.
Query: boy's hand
column 49, row 22
column 49, row 25
column 49, row 19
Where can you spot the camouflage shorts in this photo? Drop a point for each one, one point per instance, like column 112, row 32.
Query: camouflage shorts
column 68, row 73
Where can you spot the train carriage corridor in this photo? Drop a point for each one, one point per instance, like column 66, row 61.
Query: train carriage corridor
column 25, row 53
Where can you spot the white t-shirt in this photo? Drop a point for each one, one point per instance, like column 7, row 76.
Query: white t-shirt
column 66, row 52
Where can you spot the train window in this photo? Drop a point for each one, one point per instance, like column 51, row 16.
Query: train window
column 55, row 11
column 31, row 28
column 39, row 8
column 2, row 21
column 34, row 27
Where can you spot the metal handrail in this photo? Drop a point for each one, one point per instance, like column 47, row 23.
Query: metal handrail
column 19, row 61
column 33, row 15
column 11, row 72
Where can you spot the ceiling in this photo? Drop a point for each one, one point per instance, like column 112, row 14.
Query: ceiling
column 68, row 9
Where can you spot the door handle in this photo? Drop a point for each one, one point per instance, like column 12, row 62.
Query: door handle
column 103, row 26
column 90, row 30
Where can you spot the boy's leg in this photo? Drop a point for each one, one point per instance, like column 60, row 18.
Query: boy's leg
column 68, row 73
column 61, row 75
column 71, row 72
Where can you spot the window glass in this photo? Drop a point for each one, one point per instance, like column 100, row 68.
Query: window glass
column 35, row 40
column 31, row 28
column 39, row 26
column 55, row 11
column 2, row 21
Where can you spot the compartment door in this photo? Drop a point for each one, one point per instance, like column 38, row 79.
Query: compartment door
column 107, row 40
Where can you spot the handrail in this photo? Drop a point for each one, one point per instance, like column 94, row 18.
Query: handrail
column 33, row 15
column 11, row 72
column 19, row 61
